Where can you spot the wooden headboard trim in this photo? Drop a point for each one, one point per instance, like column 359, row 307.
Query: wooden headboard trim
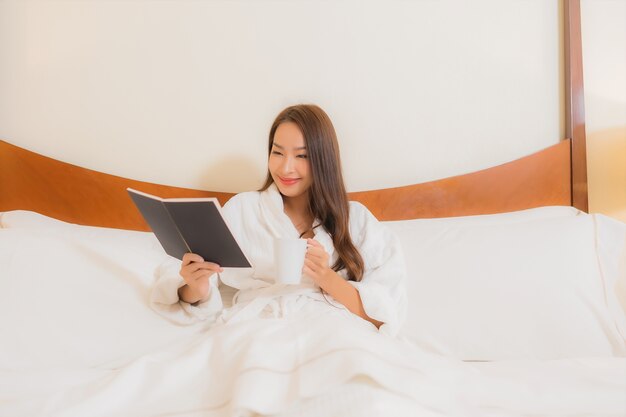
column 575, row 103
column 540, row 179
column 29, row 181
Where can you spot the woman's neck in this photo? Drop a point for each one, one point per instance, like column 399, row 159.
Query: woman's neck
column 298, row 211
column 297, row 206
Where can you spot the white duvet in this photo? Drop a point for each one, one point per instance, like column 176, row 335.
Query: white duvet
column 78, row 339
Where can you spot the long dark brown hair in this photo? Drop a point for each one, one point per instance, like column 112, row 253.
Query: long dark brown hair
column 328, row 200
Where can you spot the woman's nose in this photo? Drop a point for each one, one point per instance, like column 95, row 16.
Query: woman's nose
column 288, row 164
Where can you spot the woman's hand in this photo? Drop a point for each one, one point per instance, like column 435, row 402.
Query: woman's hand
column 316, row 266
column 196, row 273
column 316, row 263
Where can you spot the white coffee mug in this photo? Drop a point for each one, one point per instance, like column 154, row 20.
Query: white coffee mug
column 289, row 259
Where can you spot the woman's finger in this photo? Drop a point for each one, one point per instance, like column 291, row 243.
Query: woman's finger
column 315, row 255
column 313, row 242
column 200, row 274
column 308, row 271
column 188, row 258
column 308, row 264
column 321, row 258
column 194, row 266
column 212, row 266
column 312, row 266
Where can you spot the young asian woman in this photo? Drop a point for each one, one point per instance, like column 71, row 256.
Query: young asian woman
column 352, row 263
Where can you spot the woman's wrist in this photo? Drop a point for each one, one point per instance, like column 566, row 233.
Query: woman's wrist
column 188, row 295
column 328, row 281
column 346, row 294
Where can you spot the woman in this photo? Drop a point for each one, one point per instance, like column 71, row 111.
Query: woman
column 350, row 255
column 299, row 348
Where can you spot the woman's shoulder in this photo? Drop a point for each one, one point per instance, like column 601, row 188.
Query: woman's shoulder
column 359, row 212
column 362, row 221
column 372, row 237
column 243, row 198
column 242, row 203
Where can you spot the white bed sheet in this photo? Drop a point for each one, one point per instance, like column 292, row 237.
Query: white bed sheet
column 78, row 339
column 562, row 387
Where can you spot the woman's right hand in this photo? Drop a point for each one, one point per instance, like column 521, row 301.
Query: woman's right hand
column 196, row 273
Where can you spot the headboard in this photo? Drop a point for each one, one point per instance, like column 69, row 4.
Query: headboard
column 554, row 176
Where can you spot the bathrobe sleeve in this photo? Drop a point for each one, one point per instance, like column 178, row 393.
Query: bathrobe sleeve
column 164, row 295
column 165, row 301
column 383, row 287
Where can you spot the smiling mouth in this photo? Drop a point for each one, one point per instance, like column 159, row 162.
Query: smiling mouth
column 288, row 181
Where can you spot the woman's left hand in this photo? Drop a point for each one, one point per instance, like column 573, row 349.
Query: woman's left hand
column 316, row 263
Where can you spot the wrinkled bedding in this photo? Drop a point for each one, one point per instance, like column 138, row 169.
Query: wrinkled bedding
column 78, row 339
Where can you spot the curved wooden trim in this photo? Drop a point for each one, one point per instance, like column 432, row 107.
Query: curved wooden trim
column 575, row 103
column 540, row 179
column 29, row 181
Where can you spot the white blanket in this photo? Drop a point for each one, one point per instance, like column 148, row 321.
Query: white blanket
column 79, row 339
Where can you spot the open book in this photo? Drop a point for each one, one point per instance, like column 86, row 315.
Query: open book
column 195, row 225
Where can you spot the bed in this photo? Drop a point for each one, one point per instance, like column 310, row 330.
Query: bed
column 517, row 302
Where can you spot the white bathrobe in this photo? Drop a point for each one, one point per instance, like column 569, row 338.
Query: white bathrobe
column 256, row 219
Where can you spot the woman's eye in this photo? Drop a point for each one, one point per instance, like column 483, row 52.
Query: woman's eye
column 303, row 156
column 276, row 153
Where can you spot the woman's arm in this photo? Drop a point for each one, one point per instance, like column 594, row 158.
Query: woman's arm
column 196, row 273
column 316, row 267
column 347, row 295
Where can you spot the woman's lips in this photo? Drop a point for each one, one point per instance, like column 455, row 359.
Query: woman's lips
column 288, row 181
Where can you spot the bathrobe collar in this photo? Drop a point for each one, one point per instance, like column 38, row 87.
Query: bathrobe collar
column 280, row 224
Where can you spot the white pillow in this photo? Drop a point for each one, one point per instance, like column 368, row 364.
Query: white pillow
column 25, row 219
column 611, row 248
column 30, row 219
column 77, row 296
column 545, row 212
column 508, row 286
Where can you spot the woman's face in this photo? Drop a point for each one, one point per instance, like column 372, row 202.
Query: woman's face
column 288, row 162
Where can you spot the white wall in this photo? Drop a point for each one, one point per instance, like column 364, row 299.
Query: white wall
column 183, row 92
column 603, row 25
